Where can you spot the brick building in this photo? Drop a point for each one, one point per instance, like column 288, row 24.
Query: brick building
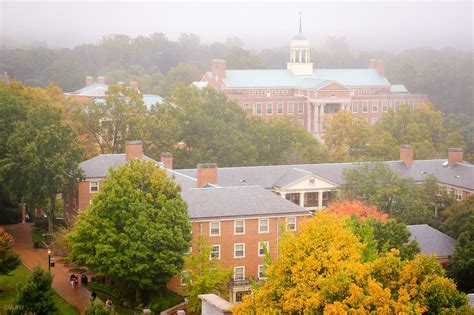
column 310, row 95
column 242, row 210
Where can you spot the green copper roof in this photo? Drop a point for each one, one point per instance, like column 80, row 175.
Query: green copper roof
column 398, row 88
column 286, row 78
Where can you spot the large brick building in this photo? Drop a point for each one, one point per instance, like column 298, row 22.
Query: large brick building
column 307, row 94
column 241, row 210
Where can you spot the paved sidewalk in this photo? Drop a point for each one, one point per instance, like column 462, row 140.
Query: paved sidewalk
column 31, row 257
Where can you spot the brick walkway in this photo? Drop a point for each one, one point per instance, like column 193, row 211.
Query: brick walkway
column 31, row 257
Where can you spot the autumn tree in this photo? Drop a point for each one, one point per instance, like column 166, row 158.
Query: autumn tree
column 42, row 157
column 9, row 260
column 180, row 75
column 136, row 231
column 320, row 271
column 203, row 275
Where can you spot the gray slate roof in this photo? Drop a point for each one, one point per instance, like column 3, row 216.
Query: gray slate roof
column 459, row 175
column 204, row 203
column 98, row 167
column 432, row 241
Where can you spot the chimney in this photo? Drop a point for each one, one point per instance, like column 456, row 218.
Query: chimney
column 455, row 155
column 167, row 160
column 373, row 64
column 218, row 69
column 406, row 154
column 133, row 150
column 381, row 67
column 206, row 174
column 89, row 80
column 101, row 80
column 134, row 85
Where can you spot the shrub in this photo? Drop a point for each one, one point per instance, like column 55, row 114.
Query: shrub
column 10, row 216
column 98, row 309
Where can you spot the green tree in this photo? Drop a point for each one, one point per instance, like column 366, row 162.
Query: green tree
column 180, row 75
column 112, row 123
column 376, row 184
column 36, row 296
column 42, row 158
column 459, row 217
column 136, row 231
column 462, row 266
column 98, row 309
column 203, row 275
column 9, row 260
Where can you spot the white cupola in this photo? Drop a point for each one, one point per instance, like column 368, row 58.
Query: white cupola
column 300, row 61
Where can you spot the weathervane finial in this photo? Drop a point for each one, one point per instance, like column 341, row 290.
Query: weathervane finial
column 301, row 31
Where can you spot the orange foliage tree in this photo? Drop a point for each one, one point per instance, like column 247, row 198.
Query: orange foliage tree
column 358, row 209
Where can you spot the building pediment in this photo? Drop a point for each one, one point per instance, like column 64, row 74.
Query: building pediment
column 298, row 179
column 333, row 86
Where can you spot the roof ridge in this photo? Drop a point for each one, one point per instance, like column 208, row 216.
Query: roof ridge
column 226, row 187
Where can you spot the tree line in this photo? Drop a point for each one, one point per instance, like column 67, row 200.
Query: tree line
column 444, row 74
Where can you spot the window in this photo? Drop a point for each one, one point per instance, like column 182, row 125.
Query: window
column 355, row 106
column 239, row 273
column 251, row 92
column 385, row 106
column 333, row 94
column 285, row 92
column 269, row 108
column 273, row 92
column 374, row 120
column 293, row 197
column 291, row 224
column 301, row 108
column 311, row 199
column 458, row 194
column 290, row 108
column 263, row 226
column 239, row 250
column 214, row 228
column 269, row 93
column 94, row 186
column 365, row 107
column 184, row 277
column 280, row 108
column 239, row 227
column 239, row 295
column 325, row 198
column 215, row 252
column 375, row 106
column 258, row 109
column 263, row 247
column 280, row 92
column 246, row 106
column 261, row 272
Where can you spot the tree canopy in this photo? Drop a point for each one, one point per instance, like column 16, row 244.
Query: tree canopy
column 320, row 270
column 9, row 260
column 136, row 231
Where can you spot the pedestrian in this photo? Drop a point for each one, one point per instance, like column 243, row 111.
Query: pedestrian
column 73, row 279
column 108, row 303
column 93, row 296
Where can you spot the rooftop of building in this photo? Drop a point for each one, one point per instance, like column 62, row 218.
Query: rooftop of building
column 283, row 78
column 432, row 241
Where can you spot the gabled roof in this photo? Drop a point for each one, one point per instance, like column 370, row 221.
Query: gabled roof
column 432, row 241
column 291, row 176
column 263, row 78
column 93, row 90
column 240, row 201
column 459, row 175
column 98, row 167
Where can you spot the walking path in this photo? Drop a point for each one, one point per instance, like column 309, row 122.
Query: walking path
column 31, row 257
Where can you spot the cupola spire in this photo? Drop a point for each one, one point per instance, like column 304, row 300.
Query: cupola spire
column 301, row 30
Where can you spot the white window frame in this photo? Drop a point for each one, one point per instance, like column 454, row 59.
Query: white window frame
column 269, row 110
column 458, row 194
column 243, row 273
column 90, row 186
column 210, row 228
column 260, row 267
column 285, row 92
column 260, row 225
column 384, row 106
column 218, row 252
column 288, row 224
column 365, row 107
column 235, row 227
column 251, row 92
column 261, row 247
column 258, row 108
column 376, row 104
column 292, row 106
column 300, row 108
column 235, row 250
column 355, row 107
column 280, row 108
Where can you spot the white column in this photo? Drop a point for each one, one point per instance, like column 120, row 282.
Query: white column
column 283, row 195
column 300, row 60
column 301, row 199
column 320, row 199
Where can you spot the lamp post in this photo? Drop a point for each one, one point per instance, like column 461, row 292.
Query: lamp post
column 49, row 260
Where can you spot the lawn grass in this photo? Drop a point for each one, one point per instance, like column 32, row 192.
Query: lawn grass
column 20, row 275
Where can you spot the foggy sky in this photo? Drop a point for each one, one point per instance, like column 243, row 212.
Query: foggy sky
column 365, row 25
